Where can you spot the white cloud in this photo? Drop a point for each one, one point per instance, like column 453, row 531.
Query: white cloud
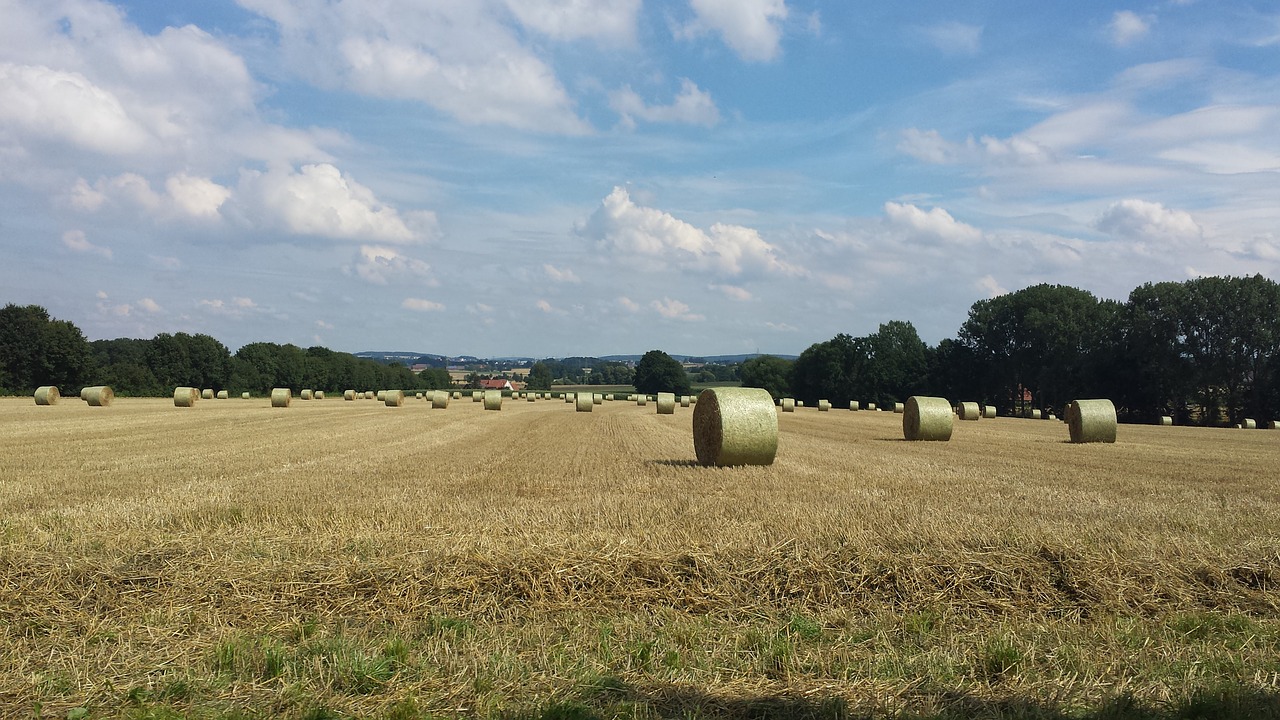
column 1127, row 26
column 750, row 27
column 196, row 196
column 988, row 285
column 628, row 304
column 781, row 327
column 243, row 302
column 692, row 106
column 558, row 275
column 612, row 20
column 381, row 265
column 185, row 196
column 420, row 305
column 320, row 200
column 67, row 106
column 150, row 306
column 932, row 226
column 76, row 240
column 1151, row 221
column 623, row 227
column 955, row 38
column 733, row 292
column 675, row 310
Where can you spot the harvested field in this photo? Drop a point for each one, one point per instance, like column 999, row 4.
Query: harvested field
column 359, row 560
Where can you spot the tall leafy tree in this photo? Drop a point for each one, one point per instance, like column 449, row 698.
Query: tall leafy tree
column 36, row 349
column 539, row 377
column 768, row 372
column 659, row 372
column 838, row 370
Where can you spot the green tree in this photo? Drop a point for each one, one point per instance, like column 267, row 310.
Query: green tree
column 659, row 372
column 36, row 350
column 900, row 361
column 838, row 370
column 768, row 372
column 540, row 376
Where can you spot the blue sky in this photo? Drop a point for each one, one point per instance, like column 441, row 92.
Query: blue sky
column 566, row 177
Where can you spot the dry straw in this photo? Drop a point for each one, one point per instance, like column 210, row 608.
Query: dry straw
column 348, row 394
column 223, row 395
column 853, row 404
column 799, row 403
column 824, row 406
column 583, row 403
column 926, row 418
column 788, row 405
column 185, row 396
column 988, row 411
column 1092, row 421
column 666, row 403
column 735, row 426
column 900, row 408
column 492, row 399
column 47, row 395
column 281, row 397
column 207, row 394
column 98, row 395
column 969, row 411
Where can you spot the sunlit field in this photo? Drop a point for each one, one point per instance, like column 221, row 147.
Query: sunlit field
column 338, row 559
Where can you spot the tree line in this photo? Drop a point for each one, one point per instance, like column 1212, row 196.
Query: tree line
column 1202, row 351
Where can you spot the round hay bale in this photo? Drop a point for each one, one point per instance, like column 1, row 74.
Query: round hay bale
column 1036, row 414
column 988, row 411
column 477, row 396
column 871, row 406
column 684, row 401
column 348, row 394
column 244, row 396
column 1165, row 421
column 393, row 398
column 457, row 395
column 735, row 426
column 1273, row 425
column 317, row 395
column 492, row 399
column 799, row 403
column 1052, row 417
column 853, row 405
column 1249, row 424
column 899, row 408
column 631, row 398
column 417, row 396
column 532, row 397
column 693, row 401
column 570, row 397
column 927, row 418
column 824, row 406
column 380, row 396
column 788, row 405
column 583, row 403
column 47, row 395
column 206, row 394
column 666, row 403
column 641, row 400
column 185, row 396
column 281, row 397
column 98, row 395
column 223, row 395
column 440, row 400
column 597, row 399
column 304, row 395
column 1092, row 421
column 968, row 411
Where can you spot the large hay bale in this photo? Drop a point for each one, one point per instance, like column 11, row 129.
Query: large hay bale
column 583, row 403
column 393, row 398
column 1249, row 424
column 98, row 395
column 207, row 394
column 788, row 405
column 281, row 397
column 185, row 396
column 380, row 396
column 926, row 418
column 988, row 411
column 824, row 406
column 968, row 411
column 853, row 404
column 666, row 403
column 47, row 395
column 348, row 394
column 735, row 426
column 223, row 395
column 1092, row 421
column 492, row 399
column 899, row 408
column 440, row 400
column 1036, row 414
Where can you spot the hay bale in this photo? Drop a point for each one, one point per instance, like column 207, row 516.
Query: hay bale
column 570, row 397
column 477, row 396
column 1249, row 424
column 1036, row 414
column 1092, row 421
column 799, row 403
column 393, row 398
column 532, row 397
column 968, row 411
column 788, row 405
column 206, row 394
column 1165, row 421
column 223, row 395
column 641, row 400
column 1273, row 425
column 317, row 395
column 1052, row 417
column 417, row 396
column 281, row 397
column 735, row 426
column 440, row 400
column 927, row 418
column 304, row 395
column 872, row 406
column 348, row 394
column 666, row 403
column 457, row 395
column 597, row 399
column 988, row 411
column 853, row 405
column 899, row 408
column 185, row 396
column 684, row 401
column 98, row 395
column 47, row 395
column 631, row 398
column 582, row 402
column 492, row 399
column 824, row 406
column 244, row 396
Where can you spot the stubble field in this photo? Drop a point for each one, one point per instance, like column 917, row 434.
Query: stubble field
column 340, row 559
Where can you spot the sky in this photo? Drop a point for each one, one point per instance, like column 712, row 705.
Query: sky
column 577, row 177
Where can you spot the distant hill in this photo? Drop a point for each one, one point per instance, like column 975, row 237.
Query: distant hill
column 432, row 360
column 713, row 359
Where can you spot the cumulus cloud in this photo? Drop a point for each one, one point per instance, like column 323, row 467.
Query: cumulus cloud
column 67, row 106
column 621, row 226
column 196, row 196
column 955, row 38
column 421, row 305
column 932, row 226
column 733, row 292
column 76, row 240
column 752, row 28
column 691, row 106
column 1143, row 220
column 381, row 265
column 1127, row 27
column 149, row 306
column 612, row 20
column 675, row 310
column 320, row 200
column 556, row 274
column 185, row 196
column 988, row 285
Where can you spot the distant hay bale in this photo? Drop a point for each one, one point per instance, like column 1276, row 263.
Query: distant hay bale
column 281, row 397
column 98, row 395
column 1273, row 425
column 799, row 403
column 1092, row 421
column 393, row 398
column 693, row 401
column 47, row 395
column 1165, row 421
column 417, row 396
column 853, row 405
column 492, row 399
column 969, row 411
column 684, row 401
column 570, row 397
column 927, row 418
column 824, row 406
column 988, row 411
column 597, row 399
column 666, row 403
column 1052, row 417
column 306, row 395
column 531, row 397
column 583, row 403
column 206, row 394
column 899, row 408
column 223, row 395
column 477, row 396
column 735, row 426
column 244, row 396
column 1249, row 424
column 642, row 399
column 380, row 396
column 1036, row 414
column 440, row 400
column 348, row 394
column 788, row 405
column 318, row 395
column 457, row 395
column 871, row 406
column 185, row 396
